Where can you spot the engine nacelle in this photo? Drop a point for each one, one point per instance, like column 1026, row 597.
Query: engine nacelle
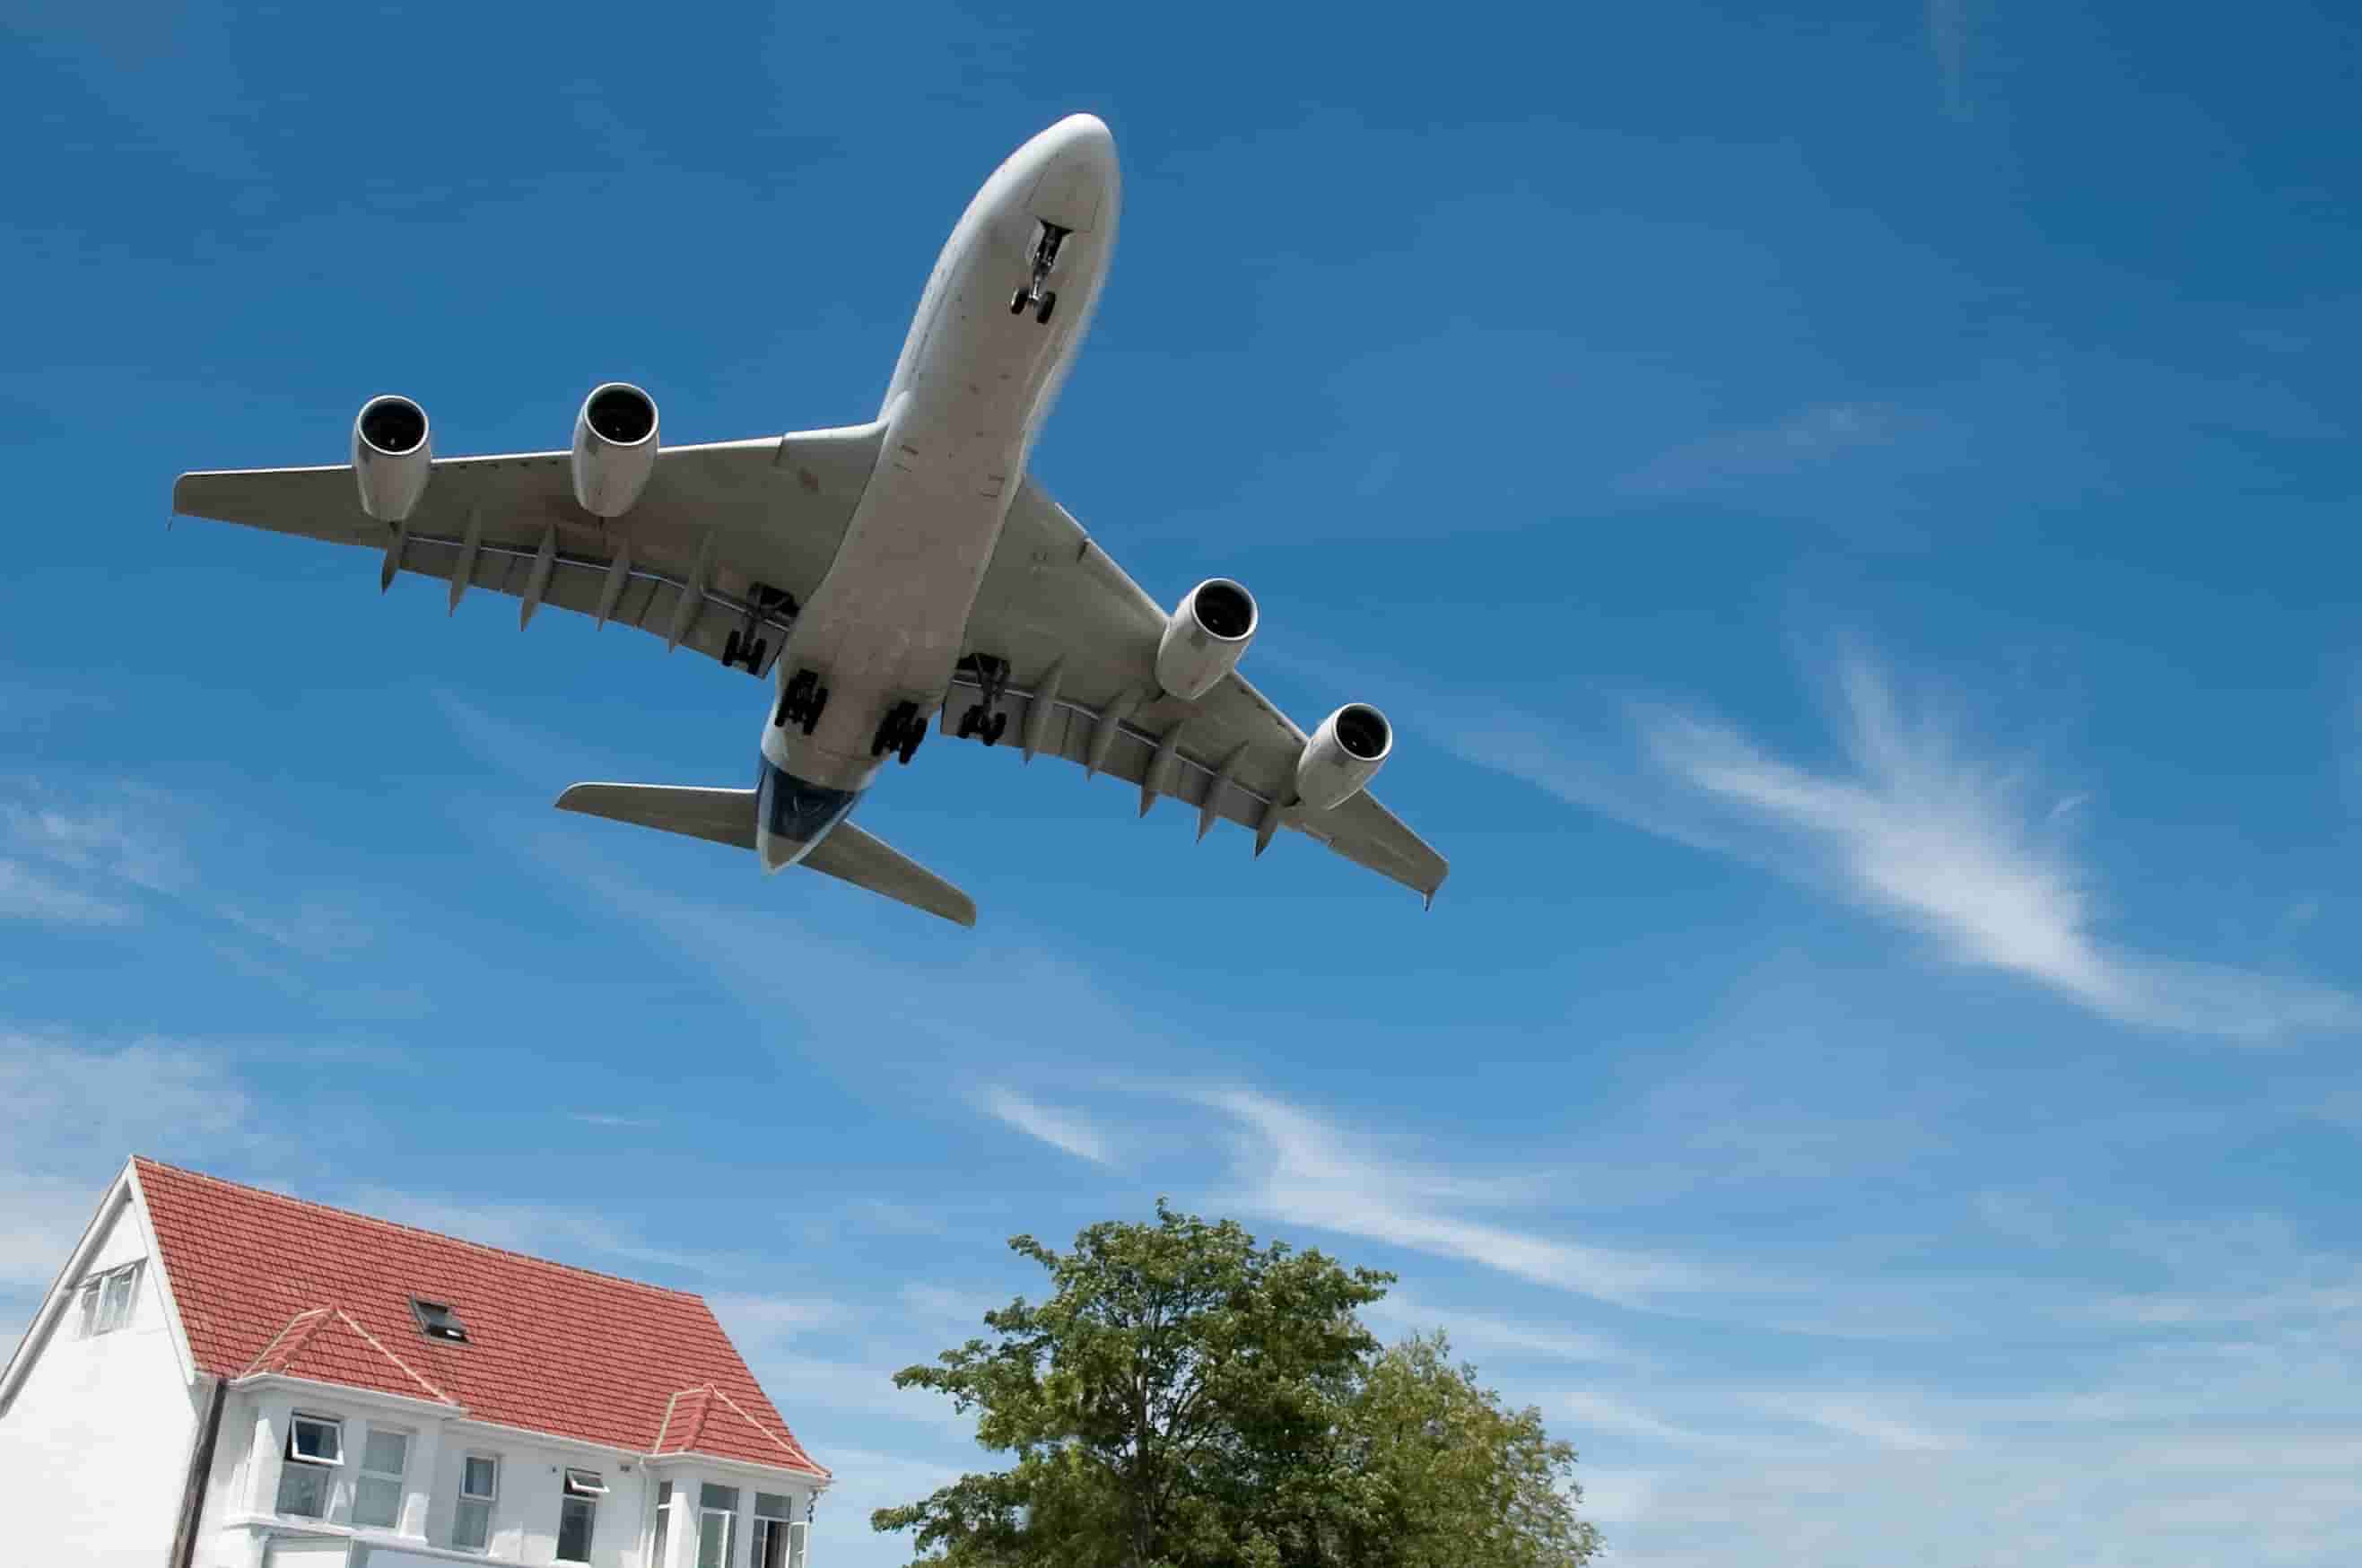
column 1343, row 755
column 392, row 460
column 1204, row 637
column 614, row 448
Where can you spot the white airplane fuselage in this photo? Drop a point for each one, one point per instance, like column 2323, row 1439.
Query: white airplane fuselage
column 888, row 623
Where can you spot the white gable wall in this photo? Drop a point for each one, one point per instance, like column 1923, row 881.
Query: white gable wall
column 94, row 1441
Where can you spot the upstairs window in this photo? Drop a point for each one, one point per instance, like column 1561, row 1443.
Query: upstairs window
column 315, row 1446
column 717, row 1524
column 480, row 1485
column 577, row 1510
column 664, row 1524
column 106, row 1299
column 377, row 1496
column 438, row 1321
column 771, row 1510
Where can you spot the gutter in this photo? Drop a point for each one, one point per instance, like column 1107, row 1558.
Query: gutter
column 201, row 1463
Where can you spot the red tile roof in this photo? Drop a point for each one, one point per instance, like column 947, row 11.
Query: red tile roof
column 266, row 1283
column 328, row 1346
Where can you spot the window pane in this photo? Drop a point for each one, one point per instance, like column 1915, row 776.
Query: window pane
column 303, row 1490
column 481, row 1479
column 472, row 1529
column 664, row 1523
column 574, row 1530
column 316, row 1439
column 714, row 1537
column 770, row 1544
column 385, row 1454
column 664, row 1493
column 116, row 1309
column 770, row 1506
column 377, row 1502
column 89, row 1309
column 723, row 1497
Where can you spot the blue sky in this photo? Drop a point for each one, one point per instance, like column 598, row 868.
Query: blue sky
column 1851, row 510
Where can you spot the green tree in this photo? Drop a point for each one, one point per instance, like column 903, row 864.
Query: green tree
column 1185, row 1398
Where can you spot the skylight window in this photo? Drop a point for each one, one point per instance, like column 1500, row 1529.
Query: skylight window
column 438, row 1321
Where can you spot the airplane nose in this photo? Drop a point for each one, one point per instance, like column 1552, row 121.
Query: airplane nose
column 1077, row 174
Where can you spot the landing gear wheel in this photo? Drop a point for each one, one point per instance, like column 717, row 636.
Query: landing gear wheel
column 969, row 721
column 995, row 729
column 912, row 735
column 730, row 650
column 755, row 659
column 1049, row 304
column 798, row 700
column 1019, row 301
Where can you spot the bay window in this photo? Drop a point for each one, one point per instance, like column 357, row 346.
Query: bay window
column 315, row 1447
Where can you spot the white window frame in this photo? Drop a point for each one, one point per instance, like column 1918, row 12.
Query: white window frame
column 729, row 1524
column 291, row 1453
column 489, row 1499
column 102, row 1313
column 582, row 1489
column 362, row 1473
column 660, row 1533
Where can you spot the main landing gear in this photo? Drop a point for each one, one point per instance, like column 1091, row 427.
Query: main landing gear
column 975, row 723
column 1033, row 294
column 743, row 647
column 991, row 679
column 800, row 701
column 899, row 731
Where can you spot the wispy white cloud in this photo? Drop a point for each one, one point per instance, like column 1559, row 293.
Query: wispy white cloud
column 1482, row 1333
column 1804, row 439
column 1293, row 1166
column 29, row 894
column 1918, row 829
column 607, row 1119
column 1059, row 1129
column 1915, row 825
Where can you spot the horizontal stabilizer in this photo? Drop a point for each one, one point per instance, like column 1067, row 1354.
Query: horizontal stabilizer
column 727, row 816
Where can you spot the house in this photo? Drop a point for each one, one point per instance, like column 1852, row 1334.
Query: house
column 224, row 1377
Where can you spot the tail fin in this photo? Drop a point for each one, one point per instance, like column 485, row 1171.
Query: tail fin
column 727, row 816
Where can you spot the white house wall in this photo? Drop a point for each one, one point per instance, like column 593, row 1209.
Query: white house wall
column 94, row 1445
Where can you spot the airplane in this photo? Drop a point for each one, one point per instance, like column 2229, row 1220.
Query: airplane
column 878, row 576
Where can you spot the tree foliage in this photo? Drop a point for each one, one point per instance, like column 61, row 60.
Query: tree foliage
column 1185, row 1398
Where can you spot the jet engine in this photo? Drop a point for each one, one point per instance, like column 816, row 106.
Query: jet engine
column 392, row 461
column 614, row 448
column 1343, row 755
column 1204, row 637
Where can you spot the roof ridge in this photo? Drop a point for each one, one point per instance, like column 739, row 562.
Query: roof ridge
column 784, row 1445
column 409, row 1370
column 318, row 1315
column 145, row 1162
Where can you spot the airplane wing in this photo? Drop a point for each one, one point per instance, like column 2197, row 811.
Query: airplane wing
column 717, row 526
column 1084, row 636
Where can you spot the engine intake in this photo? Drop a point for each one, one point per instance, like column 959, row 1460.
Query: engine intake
column 1343, row 755
column 614, row 448
column 1205, row 638
column 391, row 457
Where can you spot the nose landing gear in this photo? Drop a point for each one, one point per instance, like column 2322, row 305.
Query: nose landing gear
column 1033, row 294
